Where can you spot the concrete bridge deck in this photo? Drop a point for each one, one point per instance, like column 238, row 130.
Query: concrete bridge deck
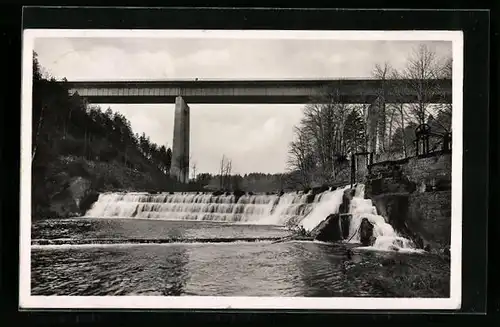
column 286, row 91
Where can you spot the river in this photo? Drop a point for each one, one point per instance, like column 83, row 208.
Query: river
column 198, row 244
column 79, row 267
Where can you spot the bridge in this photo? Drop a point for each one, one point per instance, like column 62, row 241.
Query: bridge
column 283, row 91
column 249, row 91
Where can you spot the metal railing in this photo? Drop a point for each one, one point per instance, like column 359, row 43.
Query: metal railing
column 426, row 143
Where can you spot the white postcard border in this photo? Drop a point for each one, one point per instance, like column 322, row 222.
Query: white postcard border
column 27, row 301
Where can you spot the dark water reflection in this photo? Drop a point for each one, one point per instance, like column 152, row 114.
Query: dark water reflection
column 228, row 269
column 110, row 271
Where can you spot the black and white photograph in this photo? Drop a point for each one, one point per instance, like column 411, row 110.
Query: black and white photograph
column 241, row 169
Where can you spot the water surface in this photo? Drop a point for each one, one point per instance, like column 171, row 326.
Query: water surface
column 215, row 269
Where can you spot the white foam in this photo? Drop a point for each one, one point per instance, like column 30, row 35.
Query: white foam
column 387, row 239
column 328, row 204
column 258, row 209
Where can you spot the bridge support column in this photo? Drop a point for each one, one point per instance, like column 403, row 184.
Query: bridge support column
column 180, row 147
column 374, row 126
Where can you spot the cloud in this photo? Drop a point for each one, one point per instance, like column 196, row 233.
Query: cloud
column 208, row 57
column 255, row 137
column 102, row 62
column 155, row 120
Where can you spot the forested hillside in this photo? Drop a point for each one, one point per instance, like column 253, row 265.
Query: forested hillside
column 74, row 140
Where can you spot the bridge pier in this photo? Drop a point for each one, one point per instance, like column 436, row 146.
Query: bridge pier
column 180, row 148
column 375, row 125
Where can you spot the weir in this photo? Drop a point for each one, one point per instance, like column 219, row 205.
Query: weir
column 258, row 209
column 294, row 208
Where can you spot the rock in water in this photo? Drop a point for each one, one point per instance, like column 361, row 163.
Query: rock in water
column 328, row 230
column 346, row 200
column 88, row 200
column 345, row 222
column 366, row 232
column 67, row 202
column 79, row 187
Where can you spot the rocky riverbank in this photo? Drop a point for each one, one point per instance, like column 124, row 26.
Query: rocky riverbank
column 414, row 195
column 337, row 227
column 71, row 185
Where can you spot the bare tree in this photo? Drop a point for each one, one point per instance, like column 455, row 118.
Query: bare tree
column 227, row 172
column 382, row 73
column 221, row 170
column 446, row 68
column 193, row 168
column 320, row 144
column 300, row 158
column 422, row 70
column 446, row 109
column 420, row 77
column 398, row 92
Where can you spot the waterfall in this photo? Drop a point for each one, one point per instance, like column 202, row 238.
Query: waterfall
column 387, row 238
column 296, row 208
column 252, row 209
column 329, row 204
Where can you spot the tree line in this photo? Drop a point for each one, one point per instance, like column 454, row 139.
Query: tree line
column 252, row 182
column 73, row 138
column 68, row 125
column 331, row 130
column 226, row 181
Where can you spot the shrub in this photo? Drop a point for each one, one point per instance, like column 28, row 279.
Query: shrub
column 70, row 146
column 114, row 182
column 98, row 183
column 77, row 168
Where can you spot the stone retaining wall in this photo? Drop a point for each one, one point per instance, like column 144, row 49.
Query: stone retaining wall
column 414, row 195
column 431, row 173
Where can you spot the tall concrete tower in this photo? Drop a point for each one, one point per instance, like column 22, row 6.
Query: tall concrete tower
column 180, row 147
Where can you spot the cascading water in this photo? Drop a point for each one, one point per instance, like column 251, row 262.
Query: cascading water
column 252, row 209
column 295, row 207
column 329, row 203
column 387, row 238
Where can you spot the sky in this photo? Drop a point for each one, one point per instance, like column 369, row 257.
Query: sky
column 256, row 136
